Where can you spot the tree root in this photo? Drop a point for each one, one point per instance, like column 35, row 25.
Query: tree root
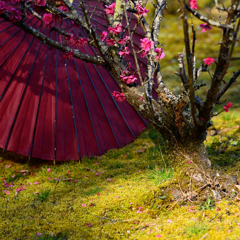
column 200, row 186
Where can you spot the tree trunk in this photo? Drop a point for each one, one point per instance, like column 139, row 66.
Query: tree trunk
column 188, row 150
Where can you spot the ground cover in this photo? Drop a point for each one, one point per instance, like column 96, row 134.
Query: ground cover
column 121, row 195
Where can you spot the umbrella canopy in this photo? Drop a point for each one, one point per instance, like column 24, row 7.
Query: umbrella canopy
column 58, row 109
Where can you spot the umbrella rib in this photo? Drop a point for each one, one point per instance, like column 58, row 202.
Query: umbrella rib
column 18, row 63
column 55, row 120
column 39, row 102
column 109, row 92
column 74, row 120
column 16, row 114
column 80, row 82
column 101, row 104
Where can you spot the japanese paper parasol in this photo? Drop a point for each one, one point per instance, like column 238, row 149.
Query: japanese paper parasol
column 58, row 109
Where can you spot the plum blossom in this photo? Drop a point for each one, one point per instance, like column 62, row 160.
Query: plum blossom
column 63, row 8
column 146, row 44
column 116, row 30
column 110, row 9
column 142, row 12
column 208, row 61
column 103, row 35
column 124, row 52
column 124, row 40
column 227, row 106
column 81, row 42
column 119, row 97
column 110, row 42
column 15, row 15
column 193, row 4
column 205, row 27
column 128, row 79
column 40, row 2
column 49, row 170
column 3, row 7
column 48, row 19
column 68, row 55
column 160, row 53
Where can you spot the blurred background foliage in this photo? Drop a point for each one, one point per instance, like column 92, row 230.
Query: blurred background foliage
column 207, row 45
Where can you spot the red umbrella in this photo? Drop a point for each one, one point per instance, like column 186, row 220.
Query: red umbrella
column 58, row 109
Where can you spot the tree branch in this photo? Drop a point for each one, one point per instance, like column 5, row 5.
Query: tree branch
column 42, row 37
column 227, row 86
column 190, row 64
column 206, row 20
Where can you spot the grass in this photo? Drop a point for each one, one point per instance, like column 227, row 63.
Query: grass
column 120, row 195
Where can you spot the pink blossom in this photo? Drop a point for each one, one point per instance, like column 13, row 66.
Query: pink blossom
column 7, row 192
column 98, row 193
column 110, row 42
column 39, row 234
column 142, row 12
column 225, row 108
column 68, row 55
column 49, row 170
column 3, row 7
column 205, row 27
column 129, row 66
column 116, row 197
column 48, row 19
column 49, row 178
column 189, row 162
column 115, row 30
column 193, row 4
column 139, row 212
column 13, row 176
column 229, row 105
column 208, row 61
column 169, row 221
column 96, row 163
column 146, row 44
column 89, row 224
column 40, row 2
column 103, row 35
column 110, row 9
column 124, row 52
column 75, row 180
column 158, row 236
column 81, row 42
column 63, row 8
column 130, row 203
column 160, row 53
column 84, row 205
column 119, row 97
column 124, row 40
column 15, row 14
column 35, row 183
column 109, row 179
column 128, row 79
column 97, row 173
column 140, row 208
column 68, row 172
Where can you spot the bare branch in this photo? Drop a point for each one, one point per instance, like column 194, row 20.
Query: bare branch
column 208, row 21
column 190, row 64
column 228, row 85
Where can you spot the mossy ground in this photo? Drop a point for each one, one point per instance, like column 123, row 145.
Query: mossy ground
column 118, row 190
